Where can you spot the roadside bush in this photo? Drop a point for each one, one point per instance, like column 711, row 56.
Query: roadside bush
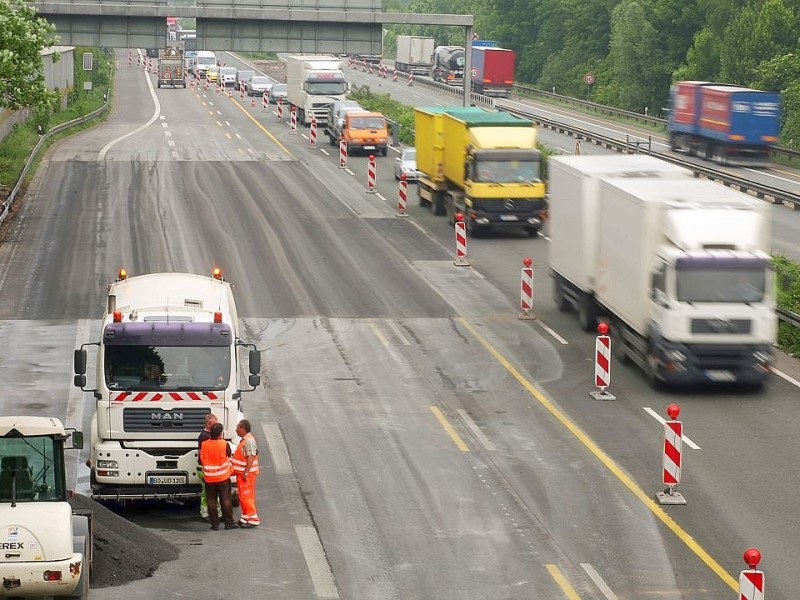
column 787, row 275
column 396, row 111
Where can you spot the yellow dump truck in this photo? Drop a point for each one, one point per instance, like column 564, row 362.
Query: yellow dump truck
column 481, row 163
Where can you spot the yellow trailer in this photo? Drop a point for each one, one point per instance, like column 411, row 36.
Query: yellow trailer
column 481, row 163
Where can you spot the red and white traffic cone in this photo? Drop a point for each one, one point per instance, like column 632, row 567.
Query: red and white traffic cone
column 293, row 120
column 265, row 102
column 230, row 94
column 751, row 582
column 139, row 60
column 342, row 154
column 461, row 242
column 241, row 92
column 394, row 74
column 671, row 459
column 364, row 66
column 130, row 59
column 372, row 169
column 370, row 68
column 253, row 101
column 410, row 79
column 402, row 196
column 280, row 109
column 312, row 134
column 602, row 364
column 526, row 290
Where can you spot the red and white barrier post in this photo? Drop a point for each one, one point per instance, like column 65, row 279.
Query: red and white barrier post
column 312, row 134
column 671, row 459
column 402, row 196
column 461, row 242
column 280, row 109
column 526, row 290
column 751, row 582
column 265, row 101
column 293, row 120
column 372, row 169
column 394, row 74
column 342, row 154
column 410, row 79
column 130, row 59
column 370, row 67
column 602, row 364
column 241, row 91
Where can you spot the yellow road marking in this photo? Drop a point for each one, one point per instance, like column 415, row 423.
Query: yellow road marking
column 615, row 469
column 449, row 429
column 262, row 128
column 562, row 582
column 378, row 334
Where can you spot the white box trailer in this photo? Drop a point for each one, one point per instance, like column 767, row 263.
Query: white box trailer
column 680, row 269
column 414, row 54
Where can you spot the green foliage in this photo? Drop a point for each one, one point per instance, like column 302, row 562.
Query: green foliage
column 398, row 112
column 787, row 275
column 22, row 37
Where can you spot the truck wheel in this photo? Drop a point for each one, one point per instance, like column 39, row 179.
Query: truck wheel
column 651, row 372
column 559, row 297
column 620, row 348
column 587, row 313
column 438, row 205
column 384, row 151
column 422, row 201
column 532, row 231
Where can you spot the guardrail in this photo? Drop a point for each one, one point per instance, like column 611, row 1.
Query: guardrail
column 789, row 317
column 5, row 207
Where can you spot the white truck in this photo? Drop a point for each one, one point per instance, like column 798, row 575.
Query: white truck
column 313, row 84
column 414, row 54
column 678, row 265
column 47, row 546
column 168, row 355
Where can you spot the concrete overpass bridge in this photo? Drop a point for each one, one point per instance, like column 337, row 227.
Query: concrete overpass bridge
column 297, row 26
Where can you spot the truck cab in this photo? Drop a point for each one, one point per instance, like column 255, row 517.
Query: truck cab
column 365, row 132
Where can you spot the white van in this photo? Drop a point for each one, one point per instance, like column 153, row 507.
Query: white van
column 203, row 61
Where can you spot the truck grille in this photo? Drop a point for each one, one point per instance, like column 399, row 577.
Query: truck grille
column 158, row 419
column 721, row 326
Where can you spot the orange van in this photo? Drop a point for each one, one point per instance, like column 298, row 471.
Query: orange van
column 365, row 131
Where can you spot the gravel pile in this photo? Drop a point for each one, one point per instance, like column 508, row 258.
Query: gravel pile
column 123, row 551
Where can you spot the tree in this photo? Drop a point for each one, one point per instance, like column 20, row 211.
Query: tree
column 22, row 36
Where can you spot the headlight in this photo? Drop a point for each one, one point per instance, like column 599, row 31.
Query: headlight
column 762, row 357
column 107, row 464
column 674, row 356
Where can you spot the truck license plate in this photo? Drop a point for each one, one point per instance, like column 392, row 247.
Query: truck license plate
column 720, row 375
column 508, row 217
column 166, row 480
column 369, row 147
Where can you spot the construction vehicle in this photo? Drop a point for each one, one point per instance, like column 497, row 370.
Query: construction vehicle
column 414, row 54
column 168, row 355
column 363, row 131
column 47, row 545
column 493, row 71
column 727, row 124
column 313, row 84
column 172, row 68
column 481, row 163
column 448, row 65
column 678, row 265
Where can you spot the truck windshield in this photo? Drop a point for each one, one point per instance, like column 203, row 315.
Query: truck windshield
column 206, row 60
column 32, row 468
column 710, row 284
column 507, row 171
column 326, row 88
column 132, row 367
column 367, row 123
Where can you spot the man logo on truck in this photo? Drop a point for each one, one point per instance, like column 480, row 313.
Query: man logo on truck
column 165, row 416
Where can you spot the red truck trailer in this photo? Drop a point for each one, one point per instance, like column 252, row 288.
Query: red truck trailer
column 493, row 71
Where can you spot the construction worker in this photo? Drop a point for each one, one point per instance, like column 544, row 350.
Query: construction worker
column 211, row 418
column 215, row 455
column 245, row 466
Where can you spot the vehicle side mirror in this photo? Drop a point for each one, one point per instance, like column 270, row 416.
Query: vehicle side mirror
column 254, row 380
column 79, row 381
column 77, row 440
column 255, row 362
column 79, row 362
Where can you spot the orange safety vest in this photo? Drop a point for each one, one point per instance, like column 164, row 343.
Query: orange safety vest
column 216, row 462
column 239, row 459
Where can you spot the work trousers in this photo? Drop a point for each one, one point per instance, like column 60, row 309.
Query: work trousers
column 247, row 498
column 219, row 490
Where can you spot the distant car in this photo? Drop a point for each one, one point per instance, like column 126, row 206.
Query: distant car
column 258, row 85
column 212, row 74
column 279, row 90
column 243, row 77
column 406, row 163
column 227, row 76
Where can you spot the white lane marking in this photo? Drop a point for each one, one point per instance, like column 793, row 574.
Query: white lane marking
column 277, row 449
column 398, row 150
column 227, row 123
column 304, row 136
column 174, row 155
column 347, row 170
column 325, row 152
column 74, row 417
column 788, row 378
column 662, row 420
column 393, row 326
column 164, row 125
column 210, row 103
column 162, row 117
column 104, row 150
column 238, row 135
column 476, row 431
column 560, row 339
column 317, row 563
column 381, row 197
column 219, row 112
column 598, row 581
column 171, row 143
